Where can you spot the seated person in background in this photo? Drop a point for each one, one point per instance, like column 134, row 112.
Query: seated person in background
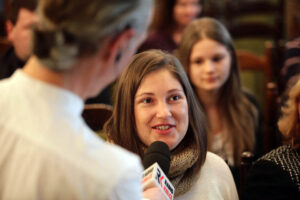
column 291, row 66
column 290, row 72
column 234, row 125
column 155, row 102
column 19, row 18
column 276, row 175
column 170, row 19
column 47, row 151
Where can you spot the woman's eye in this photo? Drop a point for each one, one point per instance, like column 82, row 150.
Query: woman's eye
column 175, row 98
column 217, row 58
column 147, row 100
column 198, row 61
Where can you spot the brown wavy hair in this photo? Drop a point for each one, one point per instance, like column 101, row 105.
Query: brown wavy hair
column 289, row 124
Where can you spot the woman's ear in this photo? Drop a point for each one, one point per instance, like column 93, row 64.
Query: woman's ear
column 9, row 28
column 118, row 57
column 120, row 44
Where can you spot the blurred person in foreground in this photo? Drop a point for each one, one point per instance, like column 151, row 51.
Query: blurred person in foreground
column 155, row 102
column 47, row 150
column 19, row 19
column 276, row 175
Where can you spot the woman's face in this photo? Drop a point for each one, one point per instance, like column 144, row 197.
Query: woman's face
column 209, row 65
column 161, row 109
column 185, row 11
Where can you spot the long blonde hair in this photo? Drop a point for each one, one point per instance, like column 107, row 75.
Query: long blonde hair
column 289, row 124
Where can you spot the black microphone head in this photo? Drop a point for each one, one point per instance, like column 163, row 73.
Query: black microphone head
column 158, row 152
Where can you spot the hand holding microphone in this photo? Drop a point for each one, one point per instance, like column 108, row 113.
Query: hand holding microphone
column 157, row 163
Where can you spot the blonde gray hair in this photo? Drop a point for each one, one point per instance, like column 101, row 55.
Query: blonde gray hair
column 289, row 123
column 69, row 29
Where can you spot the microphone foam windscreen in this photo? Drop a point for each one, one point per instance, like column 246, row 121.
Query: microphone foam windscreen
column 158, row 152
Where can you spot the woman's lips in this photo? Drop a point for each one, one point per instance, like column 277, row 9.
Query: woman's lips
column 163, row 128
column 210, row 79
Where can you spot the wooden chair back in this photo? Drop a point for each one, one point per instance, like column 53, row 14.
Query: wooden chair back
column 251, row 62
column 247, row 159
column 255, row 18
column 95, row 115
column 252, row 22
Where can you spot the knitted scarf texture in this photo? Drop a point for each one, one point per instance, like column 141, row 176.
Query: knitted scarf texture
column 182, row 163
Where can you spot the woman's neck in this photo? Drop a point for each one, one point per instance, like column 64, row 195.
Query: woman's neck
column 177, row 34
column 209, row 100
column 214, row 117
column 35, row 69
column 71, row 79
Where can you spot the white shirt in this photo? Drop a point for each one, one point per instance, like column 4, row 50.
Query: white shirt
column 215, row 182
column 222, row 148
column 48, row 152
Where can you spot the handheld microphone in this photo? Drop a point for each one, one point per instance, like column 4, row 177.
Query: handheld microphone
column 157, row 164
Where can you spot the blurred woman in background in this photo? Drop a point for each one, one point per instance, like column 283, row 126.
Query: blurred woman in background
column 276, row 175
column 208, row 56
column 170, row 19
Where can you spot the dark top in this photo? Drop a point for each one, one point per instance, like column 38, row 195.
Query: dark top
column 275, row 176
column 9, row 62
column 105, row 96
column 158, row 40
column 259, row 128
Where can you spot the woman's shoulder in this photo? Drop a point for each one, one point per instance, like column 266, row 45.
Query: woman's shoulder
column 213, row 182
column 216, row 174
column 251, row 98
column 158, row 40
column 282, row 156
column 215, row 162
column 210, row 156
column 274, row 175
column 216, row 169
column 254, row 102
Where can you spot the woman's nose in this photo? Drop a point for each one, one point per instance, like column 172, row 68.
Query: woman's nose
column 163, row 110
column 209, row 66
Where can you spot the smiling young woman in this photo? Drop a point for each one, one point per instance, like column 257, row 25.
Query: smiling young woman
column 161, row 113
column 155, row 102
